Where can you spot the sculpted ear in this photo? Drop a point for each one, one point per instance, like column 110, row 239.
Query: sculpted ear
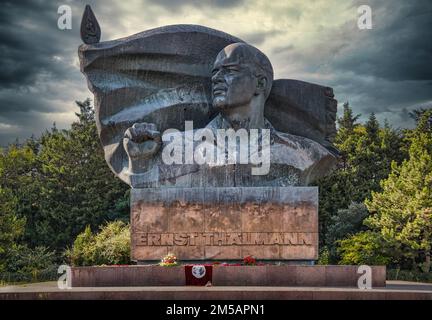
column 261, row 84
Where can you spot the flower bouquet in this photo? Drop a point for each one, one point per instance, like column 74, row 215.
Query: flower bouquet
column 170, row 260
column 249, row 261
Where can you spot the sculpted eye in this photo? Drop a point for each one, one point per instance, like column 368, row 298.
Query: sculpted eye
column 233, row 69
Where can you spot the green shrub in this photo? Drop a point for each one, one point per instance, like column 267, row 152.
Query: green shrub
column 110, row 246
column 48, row 274
column 24, row 264
column 82, row 252
column 324, row 256
column 345, row 223
column 365, row 247
column 409, row 275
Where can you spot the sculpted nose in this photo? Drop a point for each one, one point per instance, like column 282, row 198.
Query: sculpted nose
column 217, row 77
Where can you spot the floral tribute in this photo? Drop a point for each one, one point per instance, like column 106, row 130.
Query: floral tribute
column 249, row 261
column 170, row 260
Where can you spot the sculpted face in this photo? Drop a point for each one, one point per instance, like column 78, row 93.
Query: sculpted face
column 233, row 80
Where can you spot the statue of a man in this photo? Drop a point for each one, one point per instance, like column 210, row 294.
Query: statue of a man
column 241, row 83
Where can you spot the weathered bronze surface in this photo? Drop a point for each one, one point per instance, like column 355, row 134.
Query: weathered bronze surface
column 158, row 79
column 164, row 76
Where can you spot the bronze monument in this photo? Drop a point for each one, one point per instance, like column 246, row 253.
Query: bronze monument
column 171, row 95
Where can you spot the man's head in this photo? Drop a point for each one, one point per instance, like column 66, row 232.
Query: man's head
column 240, row 74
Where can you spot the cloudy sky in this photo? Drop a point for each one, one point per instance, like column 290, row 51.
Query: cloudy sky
column 386, row 70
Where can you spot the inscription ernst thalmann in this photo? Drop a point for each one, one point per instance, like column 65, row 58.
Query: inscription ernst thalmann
column 224, row 238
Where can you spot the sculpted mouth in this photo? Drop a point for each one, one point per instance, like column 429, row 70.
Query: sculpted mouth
column 218, row 91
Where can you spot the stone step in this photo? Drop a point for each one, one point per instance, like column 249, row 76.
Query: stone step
column 50, row 291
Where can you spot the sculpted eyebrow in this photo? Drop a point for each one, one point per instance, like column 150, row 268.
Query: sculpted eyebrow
column 233, row 64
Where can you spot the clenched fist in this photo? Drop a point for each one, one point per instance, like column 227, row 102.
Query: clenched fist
column 141, row 142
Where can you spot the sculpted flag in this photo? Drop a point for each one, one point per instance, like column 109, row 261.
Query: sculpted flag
column 163, row 76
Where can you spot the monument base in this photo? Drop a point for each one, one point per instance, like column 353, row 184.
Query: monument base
column 226, row 223
column 267, row 275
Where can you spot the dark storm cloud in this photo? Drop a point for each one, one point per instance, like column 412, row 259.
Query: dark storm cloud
column 36, row 63
column 24, row 125
column 38, row 80
column 387, row 70
column 170, row 4
column 399, row 47
column 28, row 42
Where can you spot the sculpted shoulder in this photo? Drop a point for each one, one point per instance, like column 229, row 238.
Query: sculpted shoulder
column 303, row 154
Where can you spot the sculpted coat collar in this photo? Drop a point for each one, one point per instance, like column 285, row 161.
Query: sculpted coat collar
column 219, row 122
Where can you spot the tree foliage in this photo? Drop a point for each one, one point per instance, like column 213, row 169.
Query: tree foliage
column 345, row 223
column 365, row 247
column 56, row 191
column 402, row 211
column 110, row 246
column 11, row 227
column 366, row 154
column 60, row 183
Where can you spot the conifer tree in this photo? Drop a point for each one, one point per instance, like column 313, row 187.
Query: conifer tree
column 402, row 211
column 60, row 183
column 366, row 155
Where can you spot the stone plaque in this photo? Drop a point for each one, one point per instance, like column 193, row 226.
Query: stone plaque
column 274, row 223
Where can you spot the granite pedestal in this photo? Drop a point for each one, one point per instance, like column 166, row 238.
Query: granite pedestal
column 208, row 224
column 266, row 275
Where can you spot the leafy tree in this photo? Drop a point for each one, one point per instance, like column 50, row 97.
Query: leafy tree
column 29, row 262
column 402, row 211
column 60, row 183
column 15, row 169
column 76, row 188
column 335, row 185
column 416, row 114
column 346, row 133
column 348, row 121
column 372, row 129
column 366, row 155
column 11, row 227
column 345, row 223
column 365, row 247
